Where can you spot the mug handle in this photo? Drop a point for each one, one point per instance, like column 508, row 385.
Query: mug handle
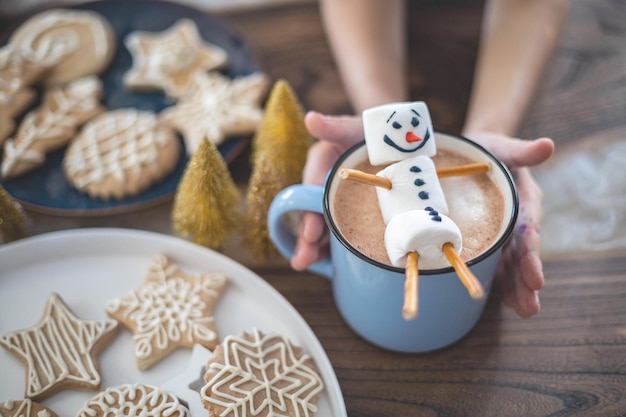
column 297, row 197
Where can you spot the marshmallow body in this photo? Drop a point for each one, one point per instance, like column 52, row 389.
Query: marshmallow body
column 397, row 131
column 414, row 185
column 424, row 232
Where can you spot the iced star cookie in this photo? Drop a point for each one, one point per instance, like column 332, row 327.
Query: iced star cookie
column 121, row 153
column 133, row 400
column 260, row 375
column 217, row 107
column 24, row 408
column 168, row 60
column 16, row 76
column 170, row 309
column 60, row 351
column 51, row 125
column 74, row 43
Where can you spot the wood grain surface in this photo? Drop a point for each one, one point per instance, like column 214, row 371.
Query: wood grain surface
column 570, row 359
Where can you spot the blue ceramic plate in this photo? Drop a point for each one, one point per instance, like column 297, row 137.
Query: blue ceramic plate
column 46, row 189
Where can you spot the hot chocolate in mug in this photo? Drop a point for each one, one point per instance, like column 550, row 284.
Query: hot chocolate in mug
column 368, row 291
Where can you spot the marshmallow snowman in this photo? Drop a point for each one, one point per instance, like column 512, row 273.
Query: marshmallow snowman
column 402, row 134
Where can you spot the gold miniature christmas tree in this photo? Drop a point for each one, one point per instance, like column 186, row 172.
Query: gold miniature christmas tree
column 206, row 204
column 12, row 218
column 280, row 147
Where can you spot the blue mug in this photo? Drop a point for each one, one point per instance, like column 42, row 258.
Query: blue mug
column 368, row 293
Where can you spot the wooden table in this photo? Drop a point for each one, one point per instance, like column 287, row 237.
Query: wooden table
column 570, row 359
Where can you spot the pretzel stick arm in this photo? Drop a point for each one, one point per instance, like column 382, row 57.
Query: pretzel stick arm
column 364, row 178
column 468, row 169
column 409, row 310
column 466, row 276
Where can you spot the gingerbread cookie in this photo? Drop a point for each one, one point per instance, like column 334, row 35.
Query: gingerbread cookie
column 133, row 400
column 51, row 125
column 260, row 375
column 121, row 153
column 24, row 408
column 217, row 107
column 16, row 75
column 170, row 309
column 73, row 43
column 60, row 351
column 168, row 60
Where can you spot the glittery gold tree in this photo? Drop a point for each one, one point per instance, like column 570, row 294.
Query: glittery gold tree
column 279, row 152
column 12, row 218
column 206, row 204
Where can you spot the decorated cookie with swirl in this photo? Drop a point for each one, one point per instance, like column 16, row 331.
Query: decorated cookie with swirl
column 168, row 60
column 256, row 374
column 73, row 43
column 171, row 309
column 134, row 400
column 121, row 153
column 60, row 351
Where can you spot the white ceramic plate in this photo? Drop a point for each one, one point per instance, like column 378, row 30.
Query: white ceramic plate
column 88, row 267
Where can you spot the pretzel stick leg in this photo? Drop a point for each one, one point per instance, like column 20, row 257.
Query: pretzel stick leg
column 466, row 276
column 364, row 178
column 409, row 310
column 469, row 169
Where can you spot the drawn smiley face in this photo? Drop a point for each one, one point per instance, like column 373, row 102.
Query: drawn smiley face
column 397, row 131
column 405, row 131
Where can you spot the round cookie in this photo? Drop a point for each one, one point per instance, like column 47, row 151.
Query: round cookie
column 260, row 375
column 24, row 408
column 121, row 153
column 133, row 400
column 74, row 43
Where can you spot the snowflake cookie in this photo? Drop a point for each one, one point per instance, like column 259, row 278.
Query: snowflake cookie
column 170, row 309
column 217, row 107
column 260, row 375
column 134, row 400
column 59, row 351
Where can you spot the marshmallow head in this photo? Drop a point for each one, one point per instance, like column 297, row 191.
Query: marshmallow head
column 398, row 131
column 424, row 232
column 414, row 185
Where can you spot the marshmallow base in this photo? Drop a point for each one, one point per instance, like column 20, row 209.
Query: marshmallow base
column 424, row 232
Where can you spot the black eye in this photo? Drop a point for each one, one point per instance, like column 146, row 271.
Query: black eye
column 415, row 121
column 396, row 125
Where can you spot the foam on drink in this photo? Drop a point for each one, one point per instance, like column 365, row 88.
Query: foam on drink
column 475, row 204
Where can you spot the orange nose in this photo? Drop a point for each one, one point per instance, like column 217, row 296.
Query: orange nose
column 412, row 137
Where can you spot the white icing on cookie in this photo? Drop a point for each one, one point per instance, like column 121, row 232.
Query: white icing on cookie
column 52, row 38
column 282, row 382
column 133, row 400
column 63, row 110
column 121, row 153
column 113, row 143
column 58, row 349
column 170, row 309
column 168, row 60
column 217, row 107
